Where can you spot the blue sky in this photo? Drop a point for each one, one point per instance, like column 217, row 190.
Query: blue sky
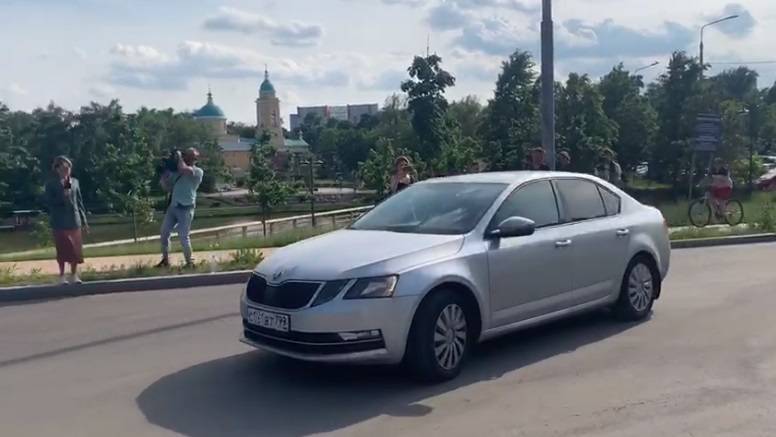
column 165, row 53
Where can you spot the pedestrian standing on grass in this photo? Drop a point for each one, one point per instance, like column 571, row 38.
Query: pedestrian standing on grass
column 608, row 168
column 67, row 217
column 538, row 162
column 403, row 174
column 182, row 185
column 564, row 161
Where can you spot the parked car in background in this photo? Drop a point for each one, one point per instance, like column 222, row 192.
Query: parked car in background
column 767, row 182
column 450, row 262
column 769, row 162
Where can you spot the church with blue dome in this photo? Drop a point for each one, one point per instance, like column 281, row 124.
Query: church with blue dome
column 237, row 150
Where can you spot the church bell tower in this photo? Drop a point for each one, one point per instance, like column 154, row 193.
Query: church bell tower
column 268, row 112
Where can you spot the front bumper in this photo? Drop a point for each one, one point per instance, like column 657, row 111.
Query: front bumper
column 313, row 334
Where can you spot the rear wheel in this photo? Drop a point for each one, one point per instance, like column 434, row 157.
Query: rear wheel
column 638, row 290
column 699, row 213
column 439, row 339
column 734, row 212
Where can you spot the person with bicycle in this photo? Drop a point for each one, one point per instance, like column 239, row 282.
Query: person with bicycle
column 720, row 187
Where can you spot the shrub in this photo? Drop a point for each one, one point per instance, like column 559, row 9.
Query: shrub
column 41, row 232
column 767, row 218
column 246, row 257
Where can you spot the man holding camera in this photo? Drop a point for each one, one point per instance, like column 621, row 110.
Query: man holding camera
column 182, row 185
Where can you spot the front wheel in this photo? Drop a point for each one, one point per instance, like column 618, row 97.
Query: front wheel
column 734, row 212
column 699, row 213
column 638, row 290
column 439, row 339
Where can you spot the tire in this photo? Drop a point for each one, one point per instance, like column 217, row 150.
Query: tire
column 734, row 212
column 699, row 213
column 640, row 285
column 426, row 357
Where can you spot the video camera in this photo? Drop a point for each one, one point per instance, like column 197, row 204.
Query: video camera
column 170, row 162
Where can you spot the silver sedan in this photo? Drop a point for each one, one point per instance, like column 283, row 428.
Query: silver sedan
column 450, row 262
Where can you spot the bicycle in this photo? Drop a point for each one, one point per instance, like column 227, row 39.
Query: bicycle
column 702, row 211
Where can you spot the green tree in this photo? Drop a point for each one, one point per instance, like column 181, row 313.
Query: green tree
column 634, row 116
column 111, row 157
column 265, row 186
column 736, row 84
column 311, row 130
column 212, row 163
column 677, row 96
column 511, row 120
column 427, row 103
column 582, row 125
column 467, row 113
column 768, row 128
column 241, row 129
column 459, row 156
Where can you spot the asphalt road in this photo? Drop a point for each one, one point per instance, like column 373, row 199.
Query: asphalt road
column 168, row 363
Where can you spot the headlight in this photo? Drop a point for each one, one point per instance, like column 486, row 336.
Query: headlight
column 372, row 288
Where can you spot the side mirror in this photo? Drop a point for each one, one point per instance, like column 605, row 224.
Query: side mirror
column 513, row 227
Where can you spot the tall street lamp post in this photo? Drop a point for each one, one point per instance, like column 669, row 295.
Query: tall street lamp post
column 548, row 84
column 703, row 28
column 752, row 138
column 311, row 164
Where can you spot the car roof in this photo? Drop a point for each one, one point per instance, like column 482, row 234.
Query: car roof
column 506, row 177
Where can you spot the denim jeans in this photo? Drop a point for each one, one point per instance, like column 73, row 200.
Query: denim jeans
column 179, row 217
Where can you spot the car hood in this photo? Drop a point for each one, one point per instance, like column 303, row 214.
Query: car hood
column 348, row 254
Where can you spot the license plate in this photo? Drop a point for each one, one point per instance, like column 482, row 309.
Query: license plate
column 265, row 319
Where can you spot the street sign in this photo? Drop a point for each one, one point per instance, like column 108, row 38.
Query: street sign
column 708, row 132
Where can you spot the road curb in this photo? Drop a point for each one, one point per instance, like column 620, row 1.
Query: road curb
column 723, row 241
column 44, row 292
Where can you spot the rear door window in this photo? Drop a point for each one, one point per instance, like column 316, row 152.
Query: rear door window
column 612, row 201
column 581, row 199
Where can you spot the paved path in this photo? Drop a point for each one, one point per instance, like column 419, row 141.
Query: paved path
column 168, row 363
column 107, row 262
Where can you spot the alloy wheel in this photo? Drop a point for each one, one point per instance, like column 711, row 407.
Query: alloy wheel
column 450, row 336
column 640, row 287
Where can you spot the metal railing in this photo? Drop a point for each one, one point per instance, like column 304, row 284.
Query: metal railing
column 331, row 219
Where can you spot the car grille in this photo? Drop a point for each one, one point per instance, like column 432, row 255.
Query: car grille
column 288, row 295
column 308, row 343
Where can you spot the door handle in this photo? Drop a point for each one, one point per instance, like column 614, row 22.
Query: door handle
column 563, row 243
column 623, row 232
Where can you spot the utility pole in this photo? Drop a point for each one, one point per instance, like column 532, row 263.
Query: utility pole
column 548, row 84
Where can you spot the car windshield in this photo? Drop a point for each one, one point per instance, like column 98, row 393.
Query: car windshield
column 446, row 208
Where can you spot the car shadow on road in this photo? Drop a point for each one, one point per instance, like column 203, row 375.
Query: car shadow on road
column 256, row 393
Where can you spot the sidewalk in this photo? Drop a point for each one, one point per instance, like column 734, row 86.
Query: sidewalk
column 104, row 263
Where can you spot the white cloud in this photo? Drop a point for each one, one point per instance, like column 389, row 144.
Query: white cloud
column 102, row 91
column 294, row 33
column 140, row 54
column 412, row 3
column 80, row 53
column 146, row 67
column 15, row 89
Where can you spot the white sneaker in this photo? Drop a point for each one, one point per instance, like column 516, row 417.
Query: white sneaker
column 63, row 280
column 75, row 279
